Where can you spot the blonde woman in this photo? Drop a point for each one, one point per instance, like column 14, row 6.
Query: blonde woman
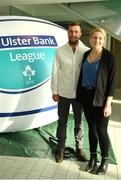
column 95, row 89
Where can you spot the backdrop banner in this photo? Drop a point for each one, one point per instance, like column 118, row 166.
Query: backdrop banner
column 27, row 48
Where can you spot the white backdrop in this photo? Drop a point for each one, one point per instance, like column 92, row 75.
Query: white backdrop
column 27, row 47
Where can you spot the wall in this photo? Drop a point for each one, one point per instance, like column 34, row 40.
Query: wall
column 116, row 49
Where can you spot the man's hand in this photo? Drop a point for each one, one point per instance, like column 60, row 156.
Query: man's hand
column 55, row 97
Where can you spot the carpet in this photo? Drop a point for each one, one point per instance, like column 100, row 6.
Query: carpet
column 42, row 143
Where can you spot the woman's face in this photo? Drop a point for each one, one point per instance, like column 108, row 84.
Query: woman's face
column 97, row 40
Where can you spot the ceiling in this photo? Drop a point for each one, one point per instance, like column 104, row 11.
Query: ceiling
column 105, row 13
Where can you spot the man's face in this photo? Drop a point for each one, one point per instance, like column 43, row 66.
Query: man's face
column 74, row 34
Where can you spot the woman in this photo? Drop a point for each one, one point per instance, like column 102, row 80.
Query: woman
column 95, row 89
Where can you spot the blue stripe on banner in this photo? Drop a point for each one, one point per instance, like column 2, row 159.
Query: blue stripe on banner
column 22, row 91
column 27, row 41
column 24, row 113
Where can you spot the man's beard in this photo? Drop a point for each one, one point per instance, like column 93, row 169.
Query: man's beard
column 73, row 42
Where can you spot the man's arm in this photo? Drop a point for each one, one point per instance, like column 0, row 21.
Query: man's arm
column 54, row 77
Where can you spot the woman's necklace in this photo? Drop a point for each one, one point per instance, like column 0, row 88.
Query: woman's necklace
column 94, row 56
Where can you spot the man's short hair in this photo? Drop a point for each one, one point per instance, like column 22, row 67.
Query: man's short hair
column 74, row 23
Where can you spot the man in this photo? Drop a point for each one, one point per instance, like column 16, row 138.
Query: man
column 65, row 73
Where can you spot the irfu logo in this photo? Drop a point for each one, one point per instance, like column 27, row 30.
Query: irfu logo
column 28, row 72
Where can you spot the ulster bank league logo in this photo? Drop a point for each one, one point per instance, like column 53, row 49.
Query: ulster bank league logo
column 25, row 61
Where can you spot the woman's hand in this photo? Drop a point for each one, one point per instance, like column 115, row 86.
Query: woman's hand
column 107, row 111
column 107, row 108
